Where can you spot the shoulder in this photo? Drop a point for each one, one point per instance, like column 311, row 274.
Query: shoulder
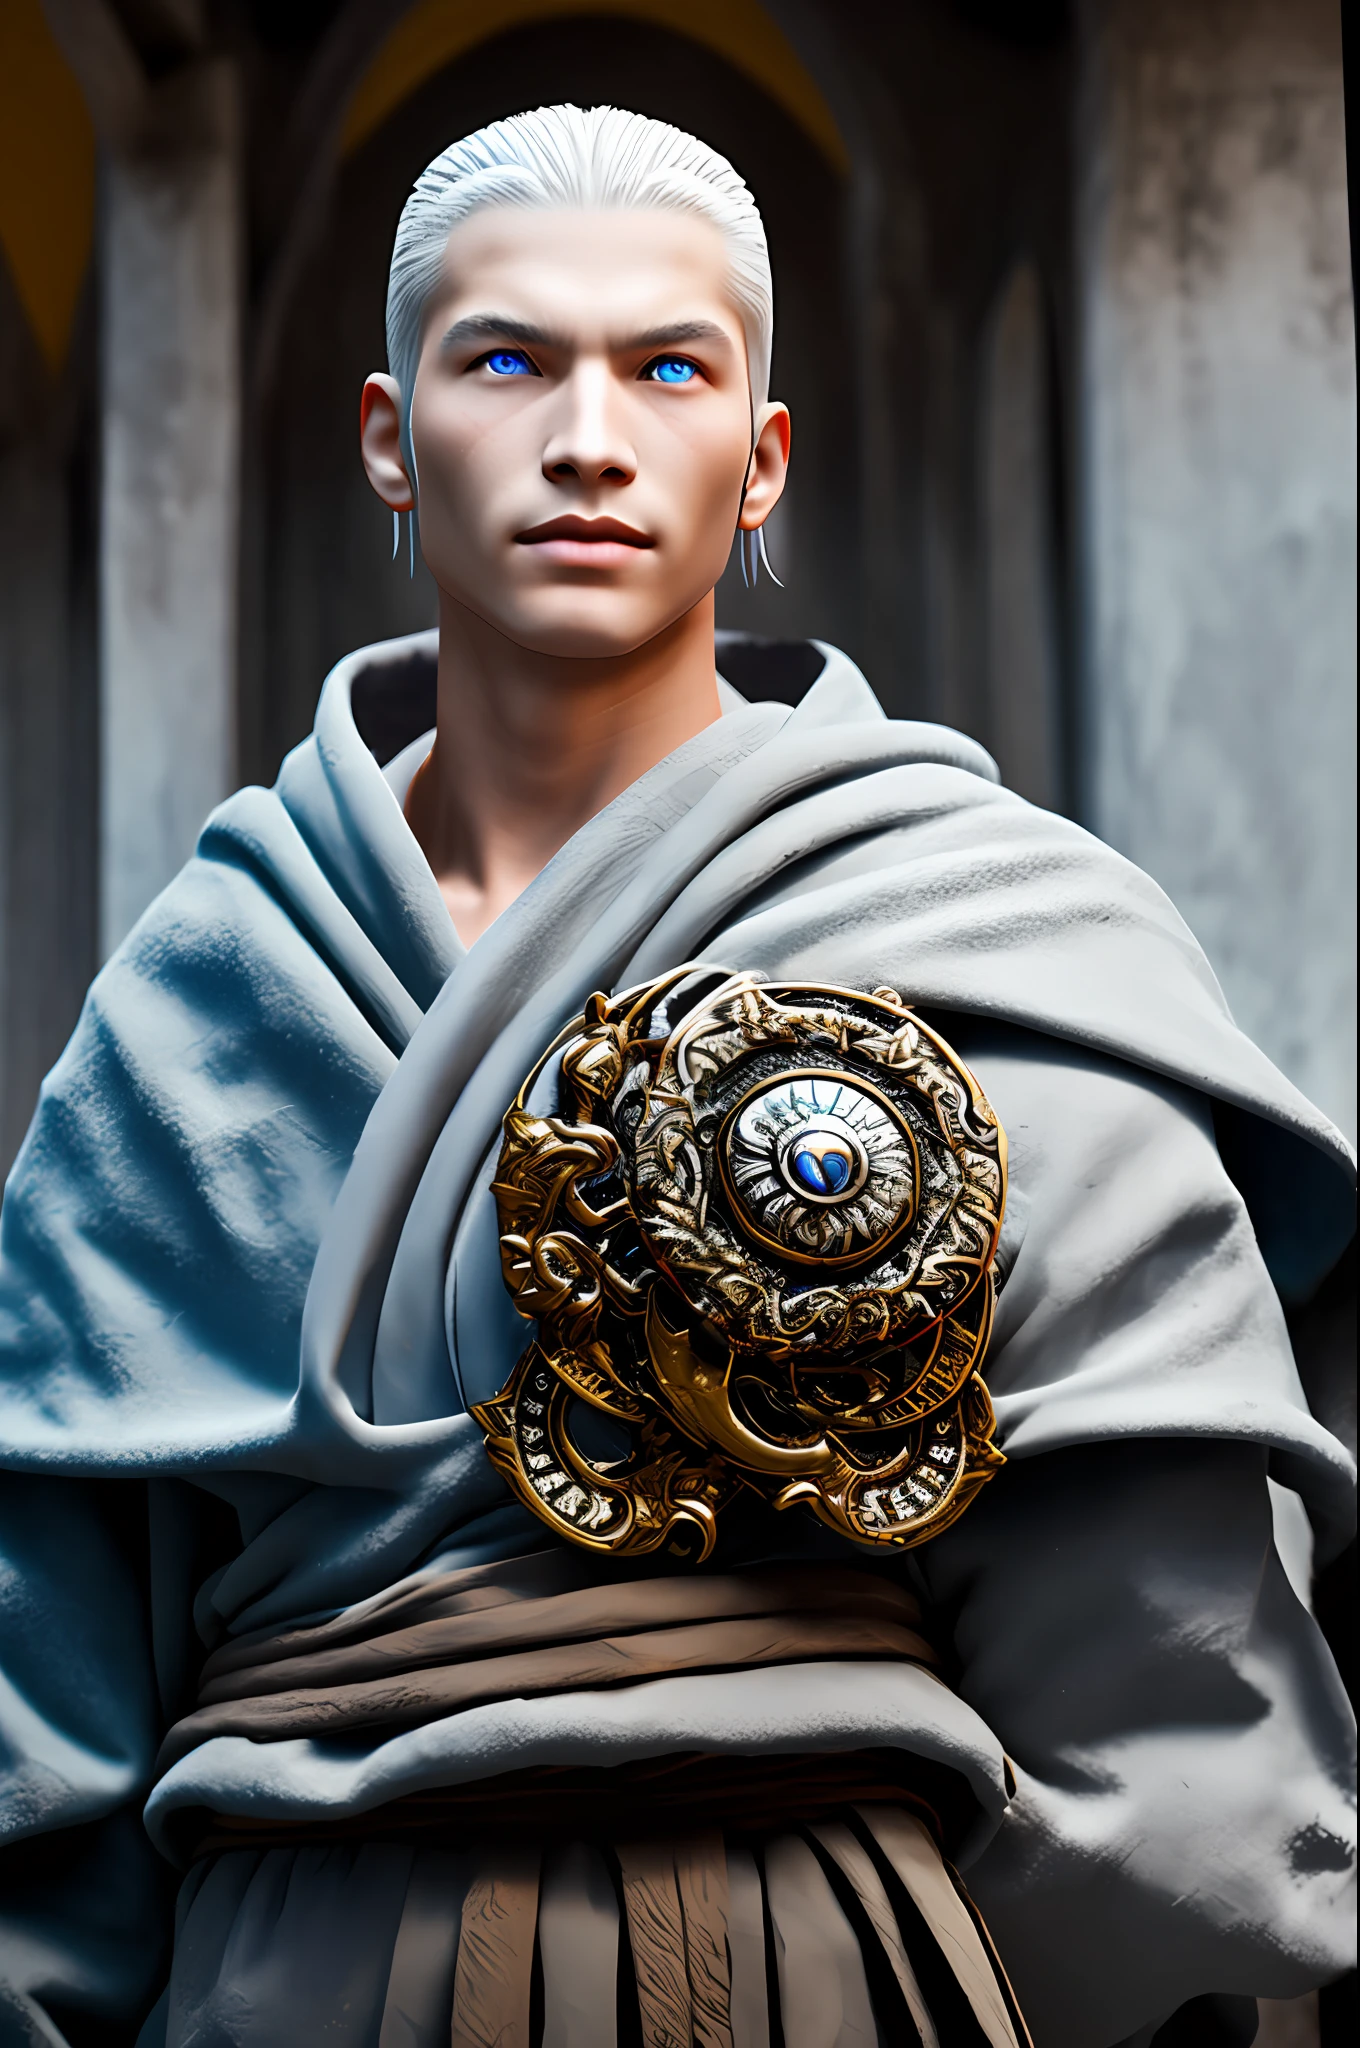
column 215, row 1084
column 1136, row 1301
column 226, row 971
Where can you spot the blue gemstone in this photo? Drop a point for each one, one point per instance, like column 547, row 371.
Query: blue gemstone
column 822, row 1173
column 808, row 1168
column 835, row 1170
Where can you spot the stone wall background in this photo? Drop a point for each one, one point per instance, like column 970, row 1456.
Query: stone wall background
column 1219, row 492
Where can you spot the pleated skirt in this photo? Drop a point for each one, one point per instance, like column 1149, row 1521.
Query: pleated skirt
column 849, row 1932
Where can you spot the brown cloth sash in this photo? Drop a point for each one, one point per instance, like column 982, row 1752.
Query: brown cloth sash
column 537, row 1625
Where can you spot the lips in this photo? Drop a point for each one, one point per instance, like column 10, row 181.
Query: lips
column 574, row 542
column 572, row 527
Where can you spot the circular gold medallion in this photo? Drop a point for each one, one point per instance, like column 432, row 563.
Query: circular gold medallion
column 757, row 1239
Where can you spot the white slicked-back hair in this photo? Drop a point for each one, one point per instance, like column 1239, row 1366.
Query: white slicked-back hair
column 581, row 157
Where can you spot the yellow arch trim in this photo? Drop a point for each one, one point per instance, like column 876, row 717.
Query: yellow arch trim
column 434, row 32
column 46, row 176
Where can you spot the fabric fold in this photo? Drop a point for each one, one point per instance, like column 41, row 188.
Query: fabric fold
column 248, row 1254
column 675, row 1938
column 465, row 1640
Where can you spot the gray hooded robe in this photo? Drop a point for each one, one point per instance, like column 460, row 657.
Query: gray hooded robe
column 249, row 1289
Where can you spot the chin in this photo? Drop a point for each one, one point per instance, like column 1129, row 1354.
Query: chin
column 597, row 631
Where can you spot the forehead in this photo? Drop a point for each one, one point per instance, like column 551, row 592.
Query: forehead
column 582, row 271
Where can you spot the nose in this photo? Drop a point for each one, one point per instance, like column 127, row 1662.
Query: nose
column 589, row 443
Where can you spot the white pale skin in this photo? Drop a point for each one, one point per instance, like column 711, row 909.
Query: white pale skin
column 575, row 516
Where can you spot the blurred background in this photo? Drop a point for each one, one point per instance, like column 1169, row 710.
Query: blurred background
column 1064, row 316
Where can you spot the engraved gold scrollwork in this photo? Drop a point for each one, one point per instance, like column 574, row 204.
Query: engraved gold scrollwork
column 757, row 1240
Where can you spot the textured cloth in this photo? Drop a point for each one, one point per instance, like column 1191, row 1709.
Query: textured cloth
column 537, row 1625
column 848, row 1933
column 250, row 1287
column 752, row 1794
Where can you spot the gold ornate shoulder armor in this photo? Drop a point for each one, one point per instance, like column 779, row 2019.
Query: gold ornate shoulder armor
column 757, row 1237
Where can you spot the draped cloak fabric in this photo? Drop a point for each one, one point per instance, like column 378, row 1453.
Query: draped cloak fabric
column 250, row 1289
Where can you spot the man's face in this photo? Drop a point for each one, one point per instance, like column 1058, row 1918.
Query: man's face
column 582, row 424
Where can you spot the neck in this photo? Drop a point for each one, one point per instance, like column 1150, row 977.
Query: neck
column 528, row 747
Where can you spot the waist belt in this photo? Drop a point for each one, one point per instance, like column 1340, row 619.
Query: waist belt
column 537, row 1625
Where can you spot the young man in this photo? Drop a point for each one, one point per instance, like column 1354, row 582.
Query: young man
column 504, row 1271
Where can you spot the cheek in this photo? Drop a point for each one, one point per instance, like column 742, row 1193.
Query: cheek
column 707, row 463
column 462, row 455
column 453, row 460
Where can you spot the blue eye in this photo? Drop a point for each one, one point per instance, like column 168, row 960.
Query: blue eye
column 671, row 370
column 509, row 362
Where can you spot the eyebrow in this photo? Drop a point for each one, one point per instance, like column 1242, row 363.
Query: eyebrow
column 500, row 327
column 679, row 330
column 504, row 327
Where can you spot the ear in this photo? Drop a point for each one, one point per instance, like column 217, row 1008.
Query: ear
column 380, row 442
column 769, row 465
